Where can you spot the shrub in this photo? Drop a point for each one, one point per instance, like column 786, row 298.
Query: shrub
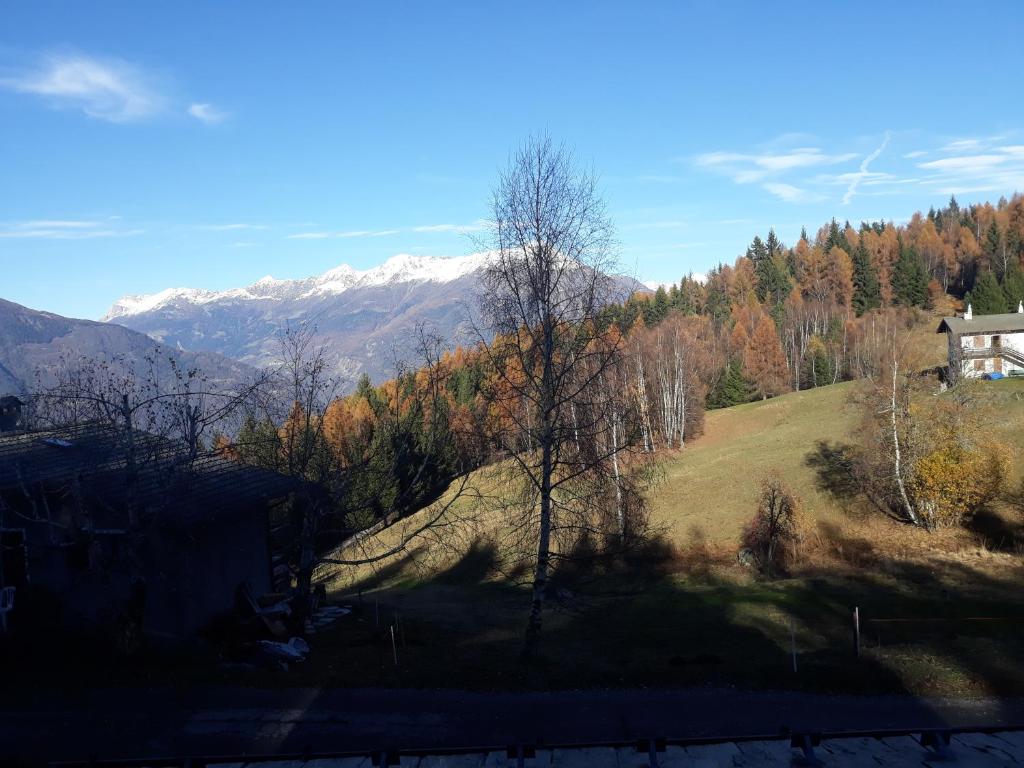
column 951, row 483
column 774, row 533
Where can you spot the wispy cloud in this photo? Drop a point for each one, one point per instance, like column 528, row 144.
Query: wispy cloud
column 476, row 226
column 982, row 164
column 207, row 113
column 965, row 162
column 858, row 177
column 745, row 168
column 790, row 193
column 105, row 89
column 350, row 233
column 972, row 143
column 63, row 229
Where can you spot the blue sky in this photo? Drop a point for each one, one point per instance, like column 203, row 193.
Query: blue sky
column 146, row 146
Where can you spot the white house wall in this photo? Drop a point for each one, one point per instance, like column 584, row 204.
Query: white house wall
column 1013, row 341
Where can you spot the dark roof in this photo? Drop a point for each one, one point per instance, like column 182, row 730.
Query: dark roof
column 181, row 489
column 9, row 400
column 1010, row 322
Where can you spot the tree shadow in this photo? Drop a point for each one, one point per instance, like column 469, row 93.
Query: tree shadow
column 833, row 463
column 478, row 564
column 999, row 531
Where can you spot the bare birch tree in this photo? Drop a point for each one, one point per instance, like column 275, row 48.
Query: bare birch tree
column 550, row 276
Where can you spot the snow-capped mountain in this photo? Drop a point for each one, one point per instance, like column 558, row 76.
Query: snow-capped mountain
column 403, row 268
column 367, row 319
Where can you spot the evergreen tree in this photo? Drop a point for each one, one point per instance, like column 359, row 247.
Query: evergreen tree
column 819, row 367
column 773, row 285
column 1013, row 285
column 836, row 238
column 772, row 245
column 867, row 293
column 757, row 251
column 661, row 305
column 910, row 279
column 987, row 297
column 991, row 245
column 259, row 443
column 718, row 303
column 630, row 312
column 732, row 387
column 688, row 295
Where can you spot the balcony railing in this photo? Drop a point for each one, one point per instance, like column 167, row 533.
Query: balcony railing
column 985, row 353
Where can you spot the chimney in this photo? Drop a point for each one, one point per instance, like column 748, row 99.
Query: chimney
column 968, row 315
column 10, row 413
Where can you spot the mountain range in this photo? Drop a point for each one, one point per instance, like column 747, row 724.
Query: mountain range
column 35, row 344
column 366, row 320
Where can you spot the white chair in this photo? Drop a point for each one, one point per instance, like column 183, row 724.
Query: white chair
column 6, row 605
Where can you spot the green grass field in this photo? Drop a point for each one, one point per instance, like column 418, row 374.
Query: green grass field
column 710, row 488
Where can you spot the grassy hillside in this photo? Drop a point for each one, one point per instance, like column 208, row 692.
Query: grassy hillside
column 704, row 494
column 709, row 488
column 683, row 612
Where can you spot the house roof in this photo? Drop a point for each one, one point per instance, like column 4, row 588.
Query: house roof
column 168, row 482
column 1011, row 322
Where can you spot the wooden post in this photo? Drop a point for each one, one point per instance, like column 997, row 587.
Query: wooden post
column 856, row 631
column 394, row 648
column 792, row 642
column 376, row 611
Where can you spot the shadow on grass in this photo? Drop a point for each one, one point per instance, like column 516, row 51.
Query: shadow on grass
column 646, row 618
column 833, row 463
column 998, row 530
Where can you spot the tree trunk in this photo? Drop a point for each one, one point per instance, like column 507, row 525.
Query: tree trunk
column 303, row 602
column 897, row 459
column 547, row 446
column 540, row 577
column 619, row 511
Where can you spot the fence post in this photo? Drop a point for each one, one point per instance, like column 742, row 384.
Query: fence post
column 792, row 642
column 856, row 631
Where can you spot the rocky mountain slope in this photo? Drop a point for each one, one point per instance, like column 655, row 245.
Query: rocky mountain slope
column 34, row 343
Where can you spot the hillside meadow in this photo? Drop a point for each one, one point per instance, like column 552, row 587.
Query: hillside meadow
column 940, row 612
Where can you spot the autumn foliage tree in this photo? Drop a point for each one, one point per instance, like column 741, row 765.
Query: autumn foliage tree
column 764, row 361
column 926, row 460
